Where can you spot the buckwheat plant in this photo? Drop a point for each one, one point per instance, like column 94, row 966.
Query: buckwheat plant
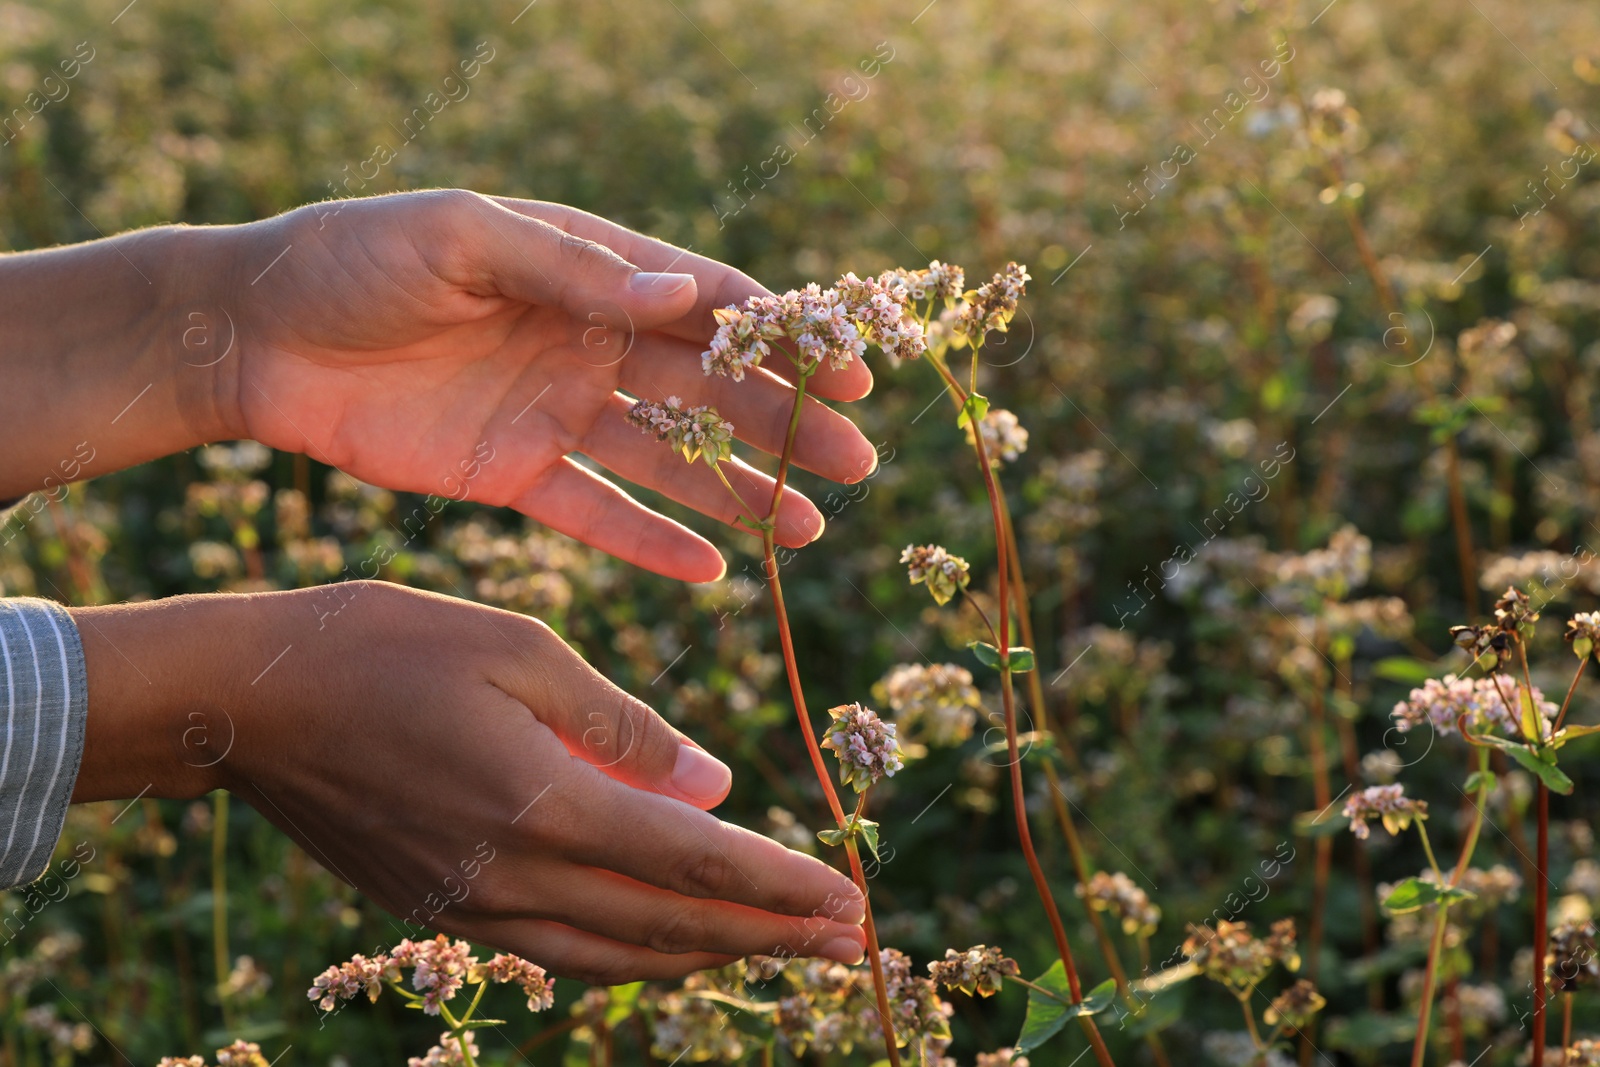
column 899, row 312
column 440, row 969
column 1501, row 709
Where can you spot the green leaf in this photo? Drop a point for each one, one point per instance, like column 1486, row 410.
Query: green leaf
column 1019, row 659
column 1367, row 1031
column 869, row 833
column 1543, row 765
column 1532, row 723
column 1047, row 1015
column 987, row 654
column 478, row 1024
column 1158, row 1012
column 1403, row 669
column 1484, row 780
column 832, row 837
column 1414, row 893
column 976, row 407
column 1570, row 733
column 1166, row 979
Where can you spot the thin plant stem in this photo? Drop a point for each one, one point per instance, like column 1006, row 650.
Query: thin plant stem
column 1573, row 688
column 1430, row 976
column 1018, row 795
column 1541, row 923
column 1250, row 1024
column 723, row 478
column 458, row 1033
column 792, row 670
column 219, row 901
column 1566, row 1025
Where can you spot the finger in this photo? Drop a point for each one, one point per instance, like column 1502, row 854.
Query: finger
column 684, row 850
column 719, row 285
column 579, row 503
column 637, row 914
column 606, row 727
column 759, row 408
column 636, row 455
column 589, row 958
column 529, row 259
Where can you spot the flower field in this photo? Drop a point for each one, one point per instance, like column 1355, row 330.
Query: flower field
column 1201, row 675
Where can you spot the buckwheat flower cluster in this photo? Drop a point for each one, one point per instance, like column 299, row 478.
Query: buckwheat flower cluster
column 937, row 703
column 1230, row 954
column 438, row 968
column 832, row 325
column 347, row 981
column 447, row 1053
column 1442, row 703
column 64, row 1037
column 940, row 281
column 992, row 305
column 1345, row 564
column 943, row 573
column 921, row 1018
column 1294, row 1007
column 1387, row 803
column 979, row 971
column 1117, row 893
column 1583, row 1052
column 866, row 746
column 1005, row 1057
column 531, row 978
column 241, row 1054
column 1571, row 962
column 692, row 432
column 695, row 1030
column 883, row 315
column 1004, row 437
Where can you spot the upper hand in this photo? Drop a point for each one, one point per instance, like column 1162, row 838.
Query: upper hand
column 461, row 345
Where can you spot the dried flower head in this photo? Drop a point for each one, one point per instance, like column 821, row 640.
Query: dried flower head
column 992, row 305
column 866, row 746
column 1513, row 612
column 692, row 432
column 1117, row 893
column 979, row 971
column 1294, row 1007
column 1583, row 632
column 1230, row 954
column 1386, row 802
column 943, row 573
column 936, row 703
column 1571, row 962
column 1004, row 437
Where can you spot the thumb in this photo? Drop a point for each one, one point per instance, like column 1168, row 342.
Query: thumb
column 532, row 260
column 602, row 725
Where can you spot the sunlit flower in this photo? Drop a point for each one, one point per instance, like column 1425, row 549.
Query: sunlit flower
column 979, row 971
column 1295, row 1006
column 1385, row 802
column 943, row 573
column 692, row 432
column 447, row 1053
column 1004, row 437
column 865, row 744
column 1117, row 893
column 1230, row 954
column 504, row 967
column 992, row 304
column 1442, row 703
column 936, row 703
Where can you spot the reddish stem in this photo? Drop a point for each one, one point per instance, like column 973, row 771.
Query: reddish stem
column 1541, row 932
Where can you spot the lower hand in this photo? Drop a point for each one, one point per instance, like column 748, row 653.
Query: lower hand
column 413, row 735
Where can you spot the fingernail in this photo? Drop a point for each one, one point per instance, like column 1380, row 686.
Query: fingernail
column 852, row 909
column 844, row 950
column 815, row 526
column 699, row 774
column 659, row 284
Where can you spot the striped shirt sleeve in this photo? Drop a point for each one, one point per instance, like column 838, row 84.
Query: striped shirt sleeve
column 44, row 699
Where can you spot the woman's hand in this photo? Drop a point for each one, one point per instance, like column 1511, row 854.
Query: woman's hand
column 404, row 338
column 461, row 766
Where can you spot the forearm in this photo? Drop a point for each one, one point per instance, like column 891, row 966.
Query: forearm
column 112, row 353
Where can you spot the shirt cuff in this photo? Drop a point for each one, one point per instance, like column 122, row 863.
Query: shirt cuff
column 44, row 698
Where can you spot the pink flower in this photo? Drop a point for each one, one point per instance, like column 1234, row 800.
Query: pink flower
column 505, row 967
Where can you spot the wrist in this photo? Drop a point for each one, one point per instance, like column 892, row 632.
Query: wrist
column 164, row 682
